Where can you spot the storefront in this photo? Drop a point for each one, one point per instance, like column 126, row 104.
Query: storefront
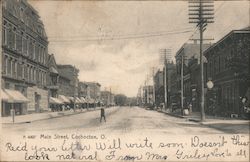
column 55, row 104
column 12, row 99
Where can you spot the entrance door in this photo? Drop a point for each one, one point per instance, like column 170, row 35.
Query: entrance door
column 37, row 102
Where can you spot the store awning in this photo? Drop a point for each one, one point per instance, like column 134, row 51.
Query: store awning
column 64, row 99
column 76, row 99
column 15, row 96
column 71, row 99
column 83, row 100
column 91, row 100
column 53, row 100
column 4, row 96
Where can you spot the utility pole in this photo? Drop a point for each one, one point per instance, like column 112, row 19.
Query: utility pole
column 153, row 74
column 201, row 12
column 110, row 96
column 147, row 89
column 74, row 73
column 166, row 56
column 182, row 90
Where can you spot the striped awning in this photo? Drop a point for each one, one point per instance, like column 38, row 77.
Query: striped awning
column 13, row 96
column 76, row 99
column 83, row 100
column 53, row 100
column 91, row 100
column 63, row 98
column 4, row 96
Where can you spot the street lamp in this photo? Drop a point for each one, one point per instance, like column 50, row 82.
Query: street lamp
column 210, row 84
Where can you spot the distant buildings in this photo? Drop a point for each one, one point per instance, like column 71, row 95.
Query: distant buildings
column 107, row 98
column 24, row 59
column 148, row 95
column 159, row 88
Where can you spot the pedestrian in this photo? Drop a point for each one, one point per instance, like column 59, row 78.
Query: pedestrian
column 102, row 115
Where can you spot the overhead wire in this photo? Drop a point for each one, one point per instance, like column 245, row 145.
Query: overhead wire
column 123, row 37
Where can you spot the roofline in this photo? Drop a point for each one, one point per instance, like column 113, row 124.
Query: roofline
column 226, row 36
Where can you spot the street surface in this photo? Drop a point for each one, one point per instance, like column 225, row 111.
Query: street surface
column 120, row 120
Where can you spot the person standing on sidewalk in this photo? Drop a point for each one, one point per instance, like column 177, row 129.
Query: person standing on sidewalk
column 102, row 115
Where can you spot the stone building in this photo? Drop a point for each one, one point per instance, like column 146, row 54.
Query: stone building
column 228, row 69
column 24, row 57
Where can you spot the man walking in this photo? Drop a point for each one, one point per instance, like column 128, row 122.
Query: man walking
column 102, row 115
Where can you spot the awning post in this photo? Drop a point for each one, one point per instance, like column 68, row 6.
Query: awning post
column 12, row 112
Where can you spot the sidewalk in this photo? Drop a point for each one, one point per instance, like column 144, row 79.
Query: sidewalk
column 230, row 125
column 42, row 116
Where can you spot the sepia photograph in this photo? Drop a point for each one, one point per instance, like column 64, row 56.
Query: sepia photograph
column 125, row 80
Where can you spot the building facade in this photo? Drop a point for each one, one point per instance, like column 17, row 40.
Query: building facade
column 24, row 56
column 68, row 80
column 228, row 69
column 83, row 90
column 183, row 55
column 159, row 88
column 148, row 94
column 107, row 98
column 93, row 90
column 53, row 77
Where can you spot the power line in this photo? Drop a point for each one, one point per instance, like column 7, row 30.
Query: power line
column 122, row 35
column 123, row 38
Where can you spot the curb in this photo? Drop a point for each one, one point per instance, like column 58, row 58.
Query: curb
column 52, row 117
column 195, row 120
column 174, row 115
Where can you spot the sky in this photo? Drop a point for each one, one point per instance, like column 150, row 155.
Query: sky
column 117, row 43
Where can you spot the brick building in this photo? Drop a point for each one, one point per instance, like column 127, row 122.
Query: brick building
column 68, row 80
column 24, row 57
column 183, row 55
column 148, row 99
column 228, row 69
column 159, row 87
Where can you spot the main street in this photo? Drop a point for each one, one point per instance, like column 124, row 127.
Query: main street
column 122, row 120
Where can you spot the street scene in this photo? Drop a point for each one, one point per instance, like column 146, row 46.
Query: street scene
column 166, row 69
column 135, row 120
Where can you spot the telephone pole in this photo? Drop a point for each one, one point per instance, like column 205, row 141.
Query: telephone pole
column 165, row 55
column 182, row 90
column 110, row 95
column 153, row 75
column 201, row 12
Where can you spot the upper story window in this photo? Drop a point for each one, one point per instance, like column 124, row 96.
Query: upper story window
column 22, row 14
column 4, row 36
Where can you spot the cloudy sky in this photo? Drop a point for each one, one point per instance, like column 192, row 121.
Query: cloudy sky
column 116, row 43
